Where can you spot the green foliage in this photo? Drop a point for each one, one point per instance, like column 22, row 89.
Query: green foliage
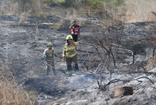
column 61, row 1
column 48, row 2
column 94, row 3
column 76, row 3
column 79, row 3
column 69, row 3
column 114, row 2
column 52, row 2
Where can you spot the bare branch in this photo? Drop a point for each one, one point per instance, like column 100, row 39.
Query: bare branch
column 105, row 86
column 145, row 78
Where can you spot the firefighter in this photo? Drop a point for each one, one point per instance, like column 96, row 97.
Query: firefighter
column 75, row 30
column 48, row 55
column 70, row 55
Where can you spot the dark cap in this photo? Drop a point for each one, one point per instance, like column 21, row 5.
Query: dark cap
column 74, row 21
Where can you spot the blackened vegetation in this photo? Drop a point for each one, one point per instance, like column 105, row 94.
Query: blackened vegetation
column 105, row 86
column 123, row 49
column 47, row 85
column 128, row 44
column 116, row 42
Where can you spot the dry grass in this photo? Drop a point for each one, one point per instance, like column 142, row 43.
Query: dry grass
column 152, row 61
column 12, row 93
column 140, row 10
column 58, row 25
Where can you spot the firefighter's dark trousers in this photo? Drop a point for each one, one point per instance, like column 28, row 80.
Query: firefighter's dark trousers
column 50, row 66
column 75, row 37
column 69, row 62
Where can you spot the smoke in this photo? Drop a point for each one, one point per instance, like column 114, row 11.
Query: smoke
column 82, row 81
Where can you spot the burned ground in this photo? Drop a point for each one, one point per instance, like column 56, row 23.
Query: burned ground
column 132, row 45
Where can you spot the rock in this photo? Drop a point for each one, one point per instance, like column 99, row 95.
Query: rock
column 122, row 91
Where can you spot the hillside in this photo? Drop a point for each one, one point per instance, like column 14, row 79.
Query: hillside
column 140, row 10
column 121, row 55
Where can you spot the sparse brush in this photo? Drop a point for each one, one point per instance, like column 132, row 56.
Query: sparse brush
column 11, row 93
column 140, row 10
column 42, row 15
column 152, row 61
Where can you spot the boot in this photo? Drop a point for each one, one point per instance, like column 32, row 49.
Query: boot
column 48, row 71
column 69, row 70
column 76, row 67
column 54, row 72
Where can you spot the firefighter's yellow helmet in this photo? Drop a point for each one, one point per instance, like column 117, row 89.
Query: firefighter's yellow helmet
column 49, row 44
column 69, row 37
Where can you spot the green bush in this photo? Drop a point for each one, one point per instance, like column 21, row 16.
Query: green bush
column 94, row 3
column 48, row 2
column 52, row 2
column 79, row 3
column 76, row 3
column 114, row 2
column 61, row 1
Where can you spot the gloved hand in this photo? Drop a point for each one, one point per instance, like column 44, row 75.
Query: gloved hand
column 64, row 58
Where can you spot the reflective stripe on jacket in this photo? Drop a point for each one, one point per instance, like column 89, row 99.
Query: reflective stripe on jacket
column 70, row 50
column 49, row 54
